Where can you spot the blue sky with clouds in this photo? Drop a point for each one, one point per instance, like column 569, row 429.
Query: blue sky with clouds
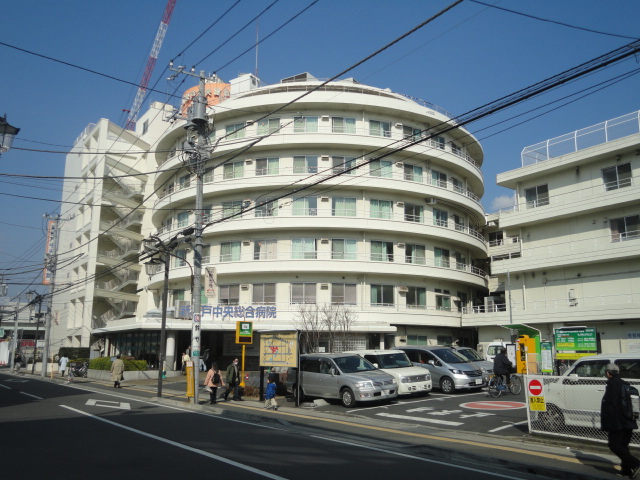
column 471, row 55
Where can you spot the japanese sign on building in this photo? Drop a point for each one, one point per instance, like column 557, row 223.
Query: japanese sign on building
column 575, row 343
column 229, row 312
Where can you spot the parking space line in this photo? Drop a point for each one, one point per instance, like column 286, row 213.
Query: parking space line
column 507, row 426
column 421, row 419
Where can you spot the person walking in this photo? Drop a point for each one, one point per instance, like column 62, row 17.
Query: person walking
column 212, row 381
column 185, row 358
column 117, row 372
column 502, row 366
column 63, row 364
column 233, row 381
column 270, row 395
column 17, row 363
column 619, row 428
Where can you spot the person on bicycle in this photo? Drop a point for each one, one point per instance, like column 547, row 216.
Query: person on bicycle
column 502, row 366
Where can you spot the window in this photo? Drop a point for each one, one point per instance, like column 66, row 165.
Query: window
column 413, row 213
column 229, row 251
column 236, row 130
column 145, row 127
column 459, row 223
column 305, row 206
column 343, row 249
column 456, row 149
column 266, row 208
column 417, row 340
column 343, row 293
column 208, row 175
column 462, row 301
column 184, row 182
column 413, row 173
column 381, row 209
column 343, row 206
column 438, row 179
column 180, row 259
column 379, row 129
column 265, row 249
column 303, row 248
column 438, row 142
column 441, row 257
column 268, row 125
column 625, row 228
column 415, row 254
column 461, row 261
column 443, row 300
column 440, row 217
column 229, row 295
column 178, row 295
column 496, row 238
column 233, row 170
column 416, row 297
column 382, row 295
column 267, row 166
column 380, row 168
column 381, row 251
column 305, row 164
column 305, row 124
column 183, row 219
column 457, row 185
column 343, row 125
column 537, row 196
column 411, row 133
column 303, row 293
column 264, row 293
column 340, row 164
column 231, row 208
column 616, row 177
column 206, row 254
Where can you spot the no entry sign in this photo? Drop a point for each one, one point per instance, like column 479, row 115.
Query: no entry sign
column 535, row 387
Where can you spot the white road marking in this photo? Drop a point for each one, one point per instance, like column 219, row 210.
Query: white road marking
column 507, row 426
column 32, row 396
column 109, row 404
column 17, row 380
column 4, row 386
column 421, row 459
column 180, row 445
column 421, row 419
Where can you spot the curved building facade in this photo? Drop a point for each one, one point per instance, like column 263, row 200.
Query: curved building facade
column 336, row 206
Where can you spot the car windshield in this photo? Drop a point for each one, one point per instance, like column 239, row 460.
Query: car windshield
column 394, row 360
column 353, row 364
column 449, row 356
column 470, row 354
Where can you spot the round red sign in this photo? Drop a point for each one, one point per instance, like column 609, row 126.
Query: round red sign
column 535, row 387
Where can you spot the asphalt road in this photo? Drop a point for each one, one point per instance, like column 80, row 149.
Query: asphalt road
column 53, row 430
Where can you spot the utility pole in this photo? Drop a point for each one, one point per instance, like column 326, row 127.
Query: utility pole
column 197, row 135
column 51, row 262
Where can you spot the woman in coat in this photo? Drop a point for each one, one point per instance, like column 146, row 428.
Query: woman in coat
column 213, row 380
column 117, row 370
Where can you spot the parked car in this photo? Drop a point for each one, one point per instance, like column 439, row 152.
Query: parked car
column 411, row 379
column 347, row 377
column 574, row 398
column 450, row 371
column 473, row 356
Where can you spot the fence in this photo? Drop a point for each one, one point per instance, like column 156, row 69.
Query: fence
column 572, row 408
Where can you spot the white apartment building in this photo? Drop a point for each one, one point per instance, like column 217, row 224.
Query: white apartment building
column 569, row 251
column 396, row 242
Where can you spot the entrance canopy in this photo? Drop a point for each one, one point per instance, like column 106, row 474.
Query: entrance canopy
column 522, row 329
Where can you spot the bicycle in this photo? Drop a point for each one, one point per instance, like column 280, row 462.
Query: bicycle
column 496, row 385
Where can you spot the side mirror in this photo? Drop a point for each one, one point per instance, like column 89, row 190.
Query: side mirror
column 574, row 377
column 431, row 362
column 375, row 365
column 333, row 372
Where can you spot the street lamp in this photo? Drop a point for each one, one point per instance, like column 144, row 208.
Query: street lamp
column 7, row 134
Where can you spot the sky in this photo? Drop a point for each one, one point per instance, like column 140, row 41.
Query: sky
column 68, row 63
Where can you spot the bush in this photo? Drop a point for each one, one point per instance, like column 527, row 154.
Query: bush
column 130, row 365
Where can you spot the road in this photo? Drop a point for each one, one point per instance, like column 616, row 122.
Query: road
column 68, row 431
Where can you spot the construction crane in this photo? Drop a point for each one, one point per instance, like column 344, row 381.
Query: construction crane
column 151, row 63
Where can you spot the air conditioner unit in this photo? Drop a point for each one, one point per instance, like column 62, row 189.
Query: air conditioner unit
column 248, row 161
column 398, row 125
column 324, row 240
column 325, row 117
column 324, row 286
column 245, row 286
column 400, row 204
column 432, row 201
column 403, row 289
column 324, row 158
column 401, row 245
column 246, row 242
column 324, row 199
column 400, row 164
column 249, row 122
column 491, row 224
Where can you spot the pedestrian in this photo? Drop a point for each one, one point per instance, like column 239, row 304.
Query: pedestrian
column 63, row 364
column 17, row 363
column 185, row 358
column 270, row 395
column 618, row 427
column 117, row 372
column 233, row 381
column 502, row 366
column 212, row 381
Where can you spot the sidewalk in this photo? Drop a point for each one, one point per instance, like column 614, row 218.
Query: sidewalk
column 544, row 456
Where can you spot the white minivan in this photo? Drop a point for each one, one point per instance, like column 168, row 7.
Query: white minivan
column 410, row 379
column 575, row 397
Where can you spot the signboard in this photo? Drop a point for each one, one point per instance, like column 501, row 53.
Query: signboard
column 536, row 396
column 210, row 282
column 279, row 349
column 546, row 357
column 50, row 248
column 244, row 332
column 574, row 343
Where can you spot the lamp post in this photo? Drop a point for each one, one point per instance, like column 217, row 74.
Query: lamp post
column 34, row 297
column 7, row 134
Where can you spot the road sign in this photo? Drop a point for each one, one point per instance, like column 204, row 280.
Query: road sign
column 244, row 332
column 493, row 405
column 535, row 387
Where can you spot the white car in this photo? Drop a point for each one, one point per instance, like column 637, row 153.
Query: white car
column 574, row 398
column 410, row 379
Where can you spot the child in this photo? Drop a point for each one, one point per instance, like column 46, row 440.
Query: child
column 270, row 396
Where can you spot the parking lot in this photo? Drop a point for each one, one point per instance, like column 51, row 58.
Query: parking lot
column 474, row 411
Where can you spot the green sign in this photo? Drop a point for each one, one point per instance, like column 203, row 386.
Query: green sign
column 583, row 340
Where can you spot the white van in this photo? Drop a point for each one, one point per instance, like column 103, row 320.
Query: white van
column 575, row 397
column 396, row 363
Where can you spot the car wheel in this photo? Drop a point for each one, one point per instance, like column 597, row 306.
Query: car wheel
column 447, row 385
column 296, row 392
column 347, row 398
column 552, row 420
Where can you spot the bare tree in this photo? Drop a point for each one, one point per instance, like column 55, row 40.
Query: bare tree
column 333, row 322
column 307, row 320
